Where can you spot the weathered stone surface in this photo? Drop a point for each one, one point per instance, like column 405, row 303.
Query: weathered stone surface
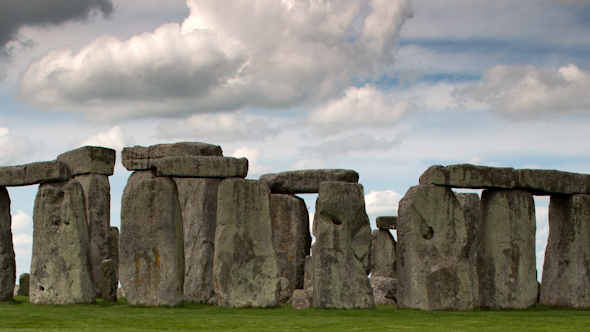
column 566, row 274
column 506, row 265
column 113, row 251
column 171, row 150
column 198, row 203
column 151, row 256
column 342, row 252
column 383, row 256
column 386, row 222
column 470, row 176
column 385, row 290
column 61, row 271
column 308, row 276
column 90, row 159
column 109, row 280
column 285, row 290
column 471, row 206
column 97, row 192
column 432, row 268
column 192, row 166
column 290, row 222
column 23, row 284
column 306, row 181
column 7, row 259
column 299, row 300
column 246, row 270
column 41, row 172
column 547, row 182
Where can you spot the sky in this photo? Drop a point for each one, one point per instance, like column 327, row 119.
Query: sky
column 384, row 87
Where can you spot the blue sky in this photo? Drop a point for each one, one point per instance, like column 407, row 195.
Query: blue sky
column 386, row 88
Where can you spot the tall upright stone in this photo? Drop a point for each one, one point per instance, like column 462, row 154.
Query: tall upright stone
column 245, row 270
column 61, row 271
column 113, row 252
column 566, row 274
column 109, row 280
column 97, row 192
column 151, row 261
column 342, row 251
column 506, row 265
column 290, row 222
column 383, row 255
column 198, row 203
column 7, row 259
column 433, row 269
column 471, row 206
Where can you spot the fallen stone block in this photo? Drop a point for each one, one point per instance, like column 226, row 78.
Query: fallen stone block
column 90, row 159
column 23, row 285
column 383, row 255
column 7, row 258
column 547, row 182
column 470, row 176
column 471, row 206
column 306, row 181
column 192, row 166
column 386, row 222
column 299, row 300
column 109, row 280
column 34, row 173
column 385, row 290
column 171, row 150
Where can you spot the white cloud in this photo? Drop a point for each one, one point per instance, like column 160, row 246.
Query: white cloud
column 307, row 163
column 354, row 143
column 22, row 240
column 22, row 223
column 226, row 55
column 15, row 149
column 521, row 92
column 114, row 138
column 253, row 155
column 382, row 203
column 477, row 160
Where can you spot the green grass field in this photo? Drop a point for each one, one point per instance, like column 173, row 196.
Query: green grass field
column 19, row 315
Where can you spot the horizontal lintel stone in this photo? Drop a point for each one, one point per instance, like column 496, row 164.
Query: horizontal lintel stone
column 192, row 166
column 547, row 182
column 306, row 181
column 387, row 222
column 34, row 173
column 171, row 150
column 90, row 159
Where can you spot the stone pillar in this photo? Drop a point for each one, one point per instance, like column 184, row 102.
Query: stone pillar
column 109, row 280
column 566, row 277
column 23, row 284
column 383, row 254
column 471, row 206
column 7, row 259
column 342, row 251
column 290, row 222
column 432, row 268
column 151, row 257
column 113, row 252
column 506, row 260
column 245, row 270
column 198, row 203
column 61, row 272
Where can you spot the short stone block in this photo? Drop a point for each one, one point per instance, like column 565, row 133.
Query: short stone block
column 90, row 159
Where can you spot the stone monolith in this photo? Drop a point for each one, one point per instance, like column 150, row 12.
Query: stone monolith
column 383, row 254
column 109, row 280
column 113, row 252
column 471, row 206
column 7, row 259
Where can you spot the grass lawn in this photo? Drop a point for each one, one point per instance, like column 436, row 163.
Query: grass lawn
column 19, row 315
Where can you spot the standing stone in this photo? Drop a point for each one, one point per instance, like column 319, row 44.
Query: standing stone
column 383, row 255
column 342, row 252
column 97, row 192
column 471, row 206
column 290, row 222
column 198, row 203
column 245, row 270
column 151, row 257
column 299, row 300
column 506, row 265
column 308, row 278
column 23, row 284
column 61, row 271
column 113, row 254
column 566, row 274
column 109, row 280
column 433, row 269
column 7, row 259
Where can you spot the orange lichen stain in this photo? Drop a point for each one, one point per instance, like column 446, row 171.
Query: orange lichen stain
column 137, row 263
column 157, row 256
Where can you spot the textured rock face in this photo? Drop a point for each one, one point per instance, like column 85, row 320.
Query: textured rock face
column 385, row 290
column 383, row 256
column 7, row 260
column 308, row 278
column 566, row 278
column 432, row 268
column 299, row 300
column 342, row 251
column 245, row 271
column 387, row 222
column 192, row 166
column 506, row 266
column 97, row 192
column 113, row 252
column 198, row 203
column 151, row 256
column 23, row 284
column 290, row 222
column 109, row 280
column 285, row 290
column 41, row 172
column 61, row 272
column 470, row 176
column 90, row 159
column 545, row 181
column 168, row 150
column 306, row 181
column 471, row 206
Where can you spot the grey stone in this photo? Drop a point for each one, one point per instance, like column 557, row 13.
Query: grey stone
column 383, row 256
column 246, row 270
column 386, row 222
column 299, row 300
column 198, row 204
column 342, row 251
column 34, row 173
column 470, row 176
column 547, row 182
column 308, row 276
column 109, row 280
column 61, row 271
column 566, row 276
column 214, row 300
column 171, row 150
column 306, row 181
column 385, row 290
column 151, row 256
column 7, row 259
column 471, row 206
column 23, row 284
column 113, row 251
column 506, row 265
column 192, row 166
column 285, row 290
column 97, row 193
column 290, row 222
column 432, row 268
column 90, row 159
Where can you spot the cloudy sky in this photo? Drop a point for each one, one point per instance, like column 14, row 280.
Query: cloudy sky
column 384, row 87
